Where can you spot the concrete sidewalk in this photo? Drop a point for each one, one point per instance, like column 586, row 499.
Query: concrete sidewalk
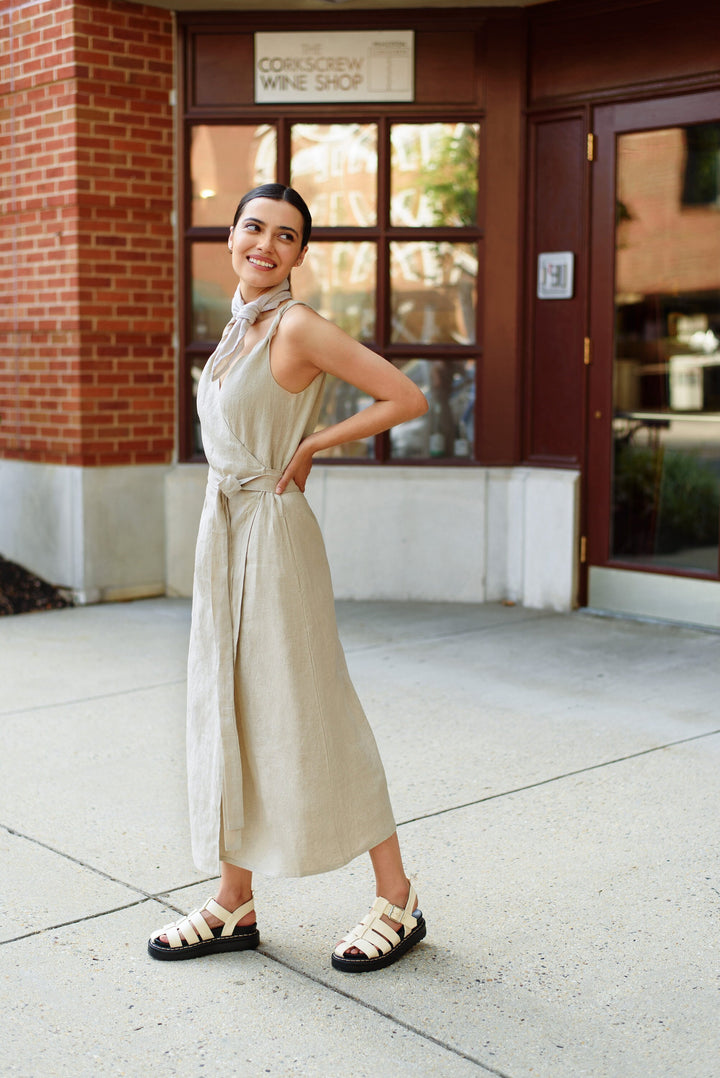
column 556, row 780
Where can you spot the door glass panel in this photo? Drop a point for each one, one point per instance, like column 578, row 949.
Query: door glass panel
column 433, row 292
column 225, row 162
column 334, row 167
column 446, row 429
column 338, row 280
column 666, row 374
column 434, row 174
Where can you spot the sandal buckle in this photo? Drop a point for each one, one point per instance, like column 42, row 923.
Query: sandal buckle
column 395, row 913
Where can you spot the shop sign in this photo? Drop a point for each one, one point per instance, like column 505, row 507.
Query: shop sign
column 334, row 66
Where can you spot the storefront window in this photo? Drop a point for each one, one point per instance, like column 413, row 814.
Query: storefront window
column 393, row 259
column 213, row 286
column 226, row 161
column 340, row 401
column 447, row 428
column 335, row 168
column 434, row 174
column 433, row 292
column 338, row 280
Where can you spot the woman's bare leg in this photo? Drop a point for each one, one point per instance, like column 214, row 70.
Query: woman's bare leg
column 390, row 879
column 234, row 891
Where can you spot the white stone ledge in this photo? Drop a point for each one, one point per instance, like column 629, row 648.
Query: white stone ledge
column 96, row 532
column 449, row 534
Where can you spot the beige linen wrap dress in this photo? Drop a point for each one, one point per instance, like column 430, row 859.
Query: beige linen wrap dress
column 283, row 771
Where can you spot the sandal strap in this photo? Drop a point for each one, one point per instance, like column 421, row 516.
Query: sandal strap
column 192, row 928
column 230, row 919
column 372, row 935
column 403, row 914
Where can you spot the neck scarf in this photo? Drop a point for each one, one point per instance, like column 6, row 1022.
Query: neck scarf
column 243, row 316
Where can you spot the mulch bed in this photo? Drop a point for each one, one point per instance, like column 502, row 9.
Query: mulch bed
column 22, row 592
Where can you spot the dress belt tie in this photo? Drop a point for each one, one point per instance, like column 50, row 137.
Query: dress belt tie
column 223, row 488
column 229, row 485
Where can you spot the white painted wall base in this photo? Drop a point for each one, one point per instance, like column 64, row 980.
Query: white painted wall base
column 654, row 595
column 184, row 495
column 449, row 534
column 98, row 532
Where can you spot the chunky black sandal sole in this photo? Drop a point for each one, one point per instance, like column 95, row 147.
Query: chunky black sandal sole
column 361, row 964
column 240, row 941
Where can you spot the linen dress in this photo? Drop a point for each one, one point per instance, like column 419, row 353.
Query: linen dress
column 284, row 774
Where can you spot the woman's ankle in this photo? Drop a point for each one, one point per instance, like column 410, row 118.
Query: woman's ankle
column 232, row 900
column 396, row 892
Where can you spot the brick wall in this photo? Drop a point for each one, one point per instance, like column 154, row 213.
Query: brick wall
column 86, row 241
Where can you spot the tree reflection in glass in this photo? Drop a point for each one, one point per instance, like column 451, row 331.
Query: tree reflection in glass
column 434, row 174
column 334, row 166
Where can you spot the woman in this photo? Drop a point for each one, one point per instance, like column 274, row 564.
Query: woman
column 284, row 774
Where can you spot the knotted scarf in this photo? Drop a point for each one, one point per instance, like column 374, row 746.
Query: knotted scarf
column 243, row 316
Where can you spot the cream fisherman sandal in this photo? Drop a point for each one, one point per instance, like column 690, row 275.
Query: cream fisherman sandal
column 192, row 936
column 380, row 944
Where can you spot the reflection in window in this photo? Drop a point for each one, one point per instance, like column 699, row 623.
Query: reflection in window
column 666, row 371
column 338, row 280
column 447, row 428
column 666, row 492
column 433, row 292
column 701, row 183
column 196, row 449
column 213, row 286
column 340, row 401
column 334, row 167
column 434, row 174
column 225, row 162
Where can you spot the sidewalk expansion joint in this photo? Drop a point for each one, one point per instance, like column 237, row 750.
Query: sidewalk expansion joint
column 74, row 921
column 146, row 896
column 91, row 699
column 559, row 778
column 384, row 1014
column 160, row 897
column 451, row 634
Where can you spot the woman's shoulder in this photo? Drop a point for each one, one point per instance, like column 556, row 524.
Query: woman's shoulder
column 299, row 317
column 297, row 310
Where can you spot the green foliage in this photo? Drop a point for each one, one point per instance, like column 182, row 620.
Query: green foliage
column 664, row 500
column 452, row 181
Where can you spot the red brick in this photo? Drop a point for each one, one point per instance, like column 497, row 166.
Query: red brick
column 91, row 223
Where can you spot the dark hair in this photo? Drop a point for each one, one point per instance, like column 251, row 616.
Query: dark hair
column 279, row 193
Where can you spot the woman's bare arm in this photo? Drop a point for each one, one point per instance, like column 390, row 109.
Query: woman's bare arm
column 311, row 344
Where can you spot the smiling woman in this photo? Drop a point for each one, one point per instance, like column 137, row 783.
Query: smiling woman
column 261, row 239
column 284, row 773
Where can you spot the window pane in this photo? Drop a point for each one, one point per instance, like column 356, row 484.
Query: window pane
column 334, row 166
column 340, row 401
column 433, row 292
column 666, row 491
column 666, row 371
column 447, row 428
column 434, row 174
column 196, row 449
column 213, row 286
column 225, row 162
column 338, row 280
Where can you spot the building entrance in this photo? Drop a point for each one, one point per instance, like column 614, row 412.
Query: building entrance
column 653, row 477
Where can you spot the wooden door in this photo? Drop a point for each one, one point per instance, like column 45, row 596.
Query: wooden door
column 652, row 482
